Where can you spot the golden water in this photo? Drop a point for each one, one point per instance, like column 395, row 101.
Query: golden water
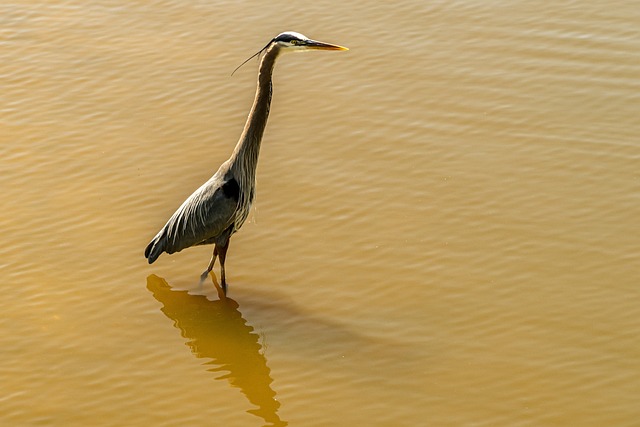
column 445, row 233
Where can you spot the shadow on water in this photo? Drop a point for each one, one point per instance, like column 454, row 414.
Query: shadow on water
column 217, row 331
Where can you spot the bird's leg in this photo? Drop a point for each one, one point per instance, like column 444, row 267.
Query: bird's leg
column 213, row 260
column 222, row 251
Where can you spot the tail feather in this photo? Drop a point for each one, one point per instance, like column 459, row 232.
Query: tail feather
column 155, row 247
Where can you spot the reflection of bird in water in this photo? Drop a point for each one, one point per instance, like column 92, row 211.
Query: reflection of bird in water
column 216, row 330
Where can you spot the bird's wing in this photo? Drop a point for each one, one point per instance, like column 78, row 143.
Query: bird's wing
column 206, row 214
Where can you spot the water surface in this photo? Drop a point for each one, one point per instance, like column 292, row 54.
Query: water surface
column 445, row 230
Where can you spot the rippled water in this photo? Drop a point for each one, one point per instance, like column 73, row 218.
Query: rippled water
column 445, row 233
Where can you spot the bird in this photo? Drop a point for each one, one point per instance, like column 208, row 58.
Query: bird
column 218, row 208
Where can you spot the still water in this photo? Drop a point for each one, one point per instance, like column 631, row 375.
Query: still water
column 445, row 231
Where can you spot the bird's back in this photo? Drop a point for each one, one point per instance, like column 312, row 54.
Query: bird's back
column 203, row 218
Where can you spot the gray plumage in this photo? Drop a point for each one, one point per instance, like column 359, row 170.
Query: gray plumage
column 216, row 210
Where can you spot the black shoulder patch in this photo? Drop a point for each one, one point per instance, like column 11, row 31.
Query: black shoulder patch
column 231, row 189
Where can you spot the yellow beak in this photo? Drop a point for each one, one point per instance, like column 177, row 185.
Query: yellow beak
column 313, row 44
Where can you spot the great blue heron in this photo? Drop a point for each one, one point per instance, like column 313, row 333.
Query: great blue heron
column 220, row 206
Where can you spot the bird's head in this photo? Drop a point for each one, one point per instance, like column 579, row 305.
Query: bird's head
column 291, row 41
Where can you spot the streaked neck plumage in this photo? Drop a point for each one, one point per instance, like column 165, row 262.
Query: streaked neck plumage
column 245, row 154
column 244, row 160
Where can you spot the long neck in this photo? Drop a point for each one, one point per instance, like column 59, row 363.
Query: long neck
column 245, row 154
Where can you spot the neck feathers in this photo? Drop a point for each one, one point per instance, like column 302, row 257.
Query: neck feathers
column 244, row 160
column 245, row 155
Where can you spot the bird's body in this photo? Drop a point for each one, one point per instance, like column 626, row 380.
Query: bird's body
column 216, row 210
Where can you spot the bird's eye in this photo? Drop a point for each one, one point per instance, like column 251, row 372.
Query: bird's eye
column 294, row 42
